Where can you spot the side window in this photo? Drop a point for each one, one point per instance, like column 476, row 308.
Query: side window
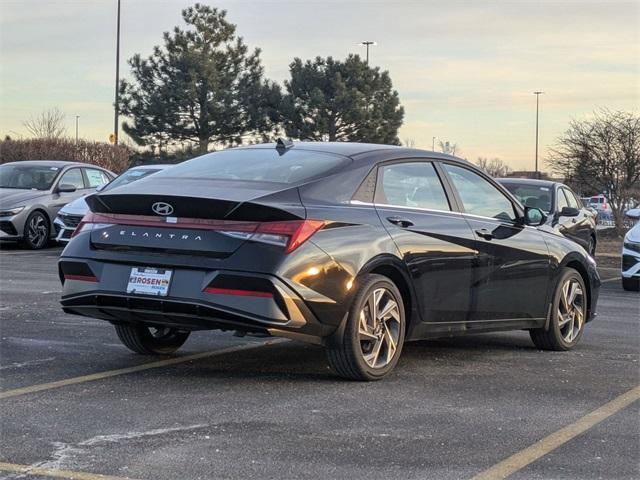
column 573, row 203
column 72, row 177
column 412, row 184
column 562, row 200
column 479, row 196
column 95, row 177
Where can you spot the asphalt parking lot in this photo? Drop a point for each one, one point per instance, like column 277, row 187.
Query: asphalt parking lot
column 231, row 407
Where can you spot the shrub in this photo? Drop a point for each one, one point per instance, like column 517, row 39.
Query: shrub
column 111, row 157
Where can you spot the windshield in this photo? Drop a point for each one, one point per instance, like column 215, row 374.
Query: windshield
column 259, row 165
column 27, row 177
column 535, row 196
column 131, row 176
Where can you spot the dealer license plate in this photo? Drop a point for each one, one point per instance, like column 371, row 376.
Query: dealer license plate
column 149, row 281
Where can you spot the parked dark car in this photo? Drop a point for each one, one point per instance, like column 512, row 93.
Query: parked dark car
column 356, row 247
column 565, row 211
column 32, row 192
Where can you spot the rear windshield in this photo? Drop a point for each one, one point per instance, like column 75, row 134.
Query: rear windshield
column 259, row 165
column 131, row 176
column 535, row 196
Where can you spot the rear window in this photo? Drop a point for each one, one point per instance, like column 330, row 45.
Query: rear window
column 259, row 165
column 535, row 196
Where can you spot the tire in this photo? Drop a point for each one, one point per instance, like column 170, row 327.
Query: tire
column 37, row 230
column 631, row 284
column 365, row 349
column 150, row 340
column 568, row 317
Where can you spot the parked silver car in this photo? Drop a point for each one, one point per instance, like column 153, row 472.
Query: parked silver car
column 70, row 215
column 32, row 192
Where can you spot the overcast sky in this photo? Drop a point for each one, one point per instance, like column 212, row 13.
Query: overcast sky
column 465, row 70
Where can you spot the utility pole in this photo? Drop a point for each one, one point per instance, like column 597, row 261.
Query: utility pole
column 367, row 44
column 433, row 144
column 117, row 106
column 77, row 117
column 537, row 94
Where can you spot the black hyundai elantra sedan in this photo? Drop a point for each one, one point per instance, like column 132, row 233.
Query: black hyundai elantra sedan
column 352, row 246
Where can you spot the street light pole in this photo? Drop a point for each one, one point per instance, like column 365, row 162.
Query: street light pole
column 115, row 120
column 77, row 117
column 537, row 94
column 367, row 44
column 433, row 144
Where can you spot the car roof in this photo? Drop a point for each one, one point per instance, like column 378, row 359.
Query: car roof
column 54, row 163
column 529, row 181
column 356, row 149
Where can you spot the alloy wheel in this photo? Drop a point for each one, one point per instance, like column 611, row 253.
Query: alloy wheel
column 37, row 230
column 571, row 310
column 379, row 328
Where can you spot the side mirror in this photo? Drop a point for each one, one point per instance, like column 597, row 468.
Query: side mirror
column 66, row 188
column 534, row 216
column 569, row 212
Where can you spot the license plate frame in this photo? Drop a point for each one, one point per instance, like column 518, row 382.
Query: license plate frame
column 150, row 281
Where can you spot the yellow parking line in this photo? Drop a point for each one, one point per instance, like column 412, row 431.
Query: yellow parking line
column 123, row 371
column 539, row 449
column 56, row 473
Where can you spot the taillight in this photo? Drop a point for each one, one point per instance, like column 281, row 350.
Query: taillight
column 90, row 221
column 289, row 234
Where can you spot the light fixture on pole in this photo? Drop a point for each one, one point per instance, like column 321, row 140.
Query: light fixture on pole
column 367, row 44
column 116, row 103
column 537, row 94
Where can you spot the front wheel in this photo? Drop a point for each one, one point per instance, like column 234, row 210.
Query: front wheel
column 374, row 332
column 568, row 314
column 151, row 340
column 36, row 231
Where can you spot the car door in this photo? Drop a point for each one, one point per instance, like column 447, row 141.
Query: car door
column 511, row 275
column 72, row 176
column 566, row 225
column 582, row 223
column 434, row 241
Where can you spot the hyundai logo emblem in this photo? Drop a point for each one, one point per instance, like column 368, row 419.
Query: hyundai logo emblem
column 162, row 208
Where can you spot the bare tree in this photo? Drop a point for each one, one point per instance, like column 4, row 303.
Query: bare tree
column 494, row 167
column 603, row 155
column 447, row 147
column 48, row 124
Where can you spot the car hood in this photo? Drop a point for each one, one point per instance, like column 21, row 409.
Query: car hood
column 77, row 207
column 633, row 235
column 12, row 197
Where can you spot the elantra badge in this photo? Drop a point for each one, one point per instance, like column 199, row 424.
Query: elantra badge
column 162, row 208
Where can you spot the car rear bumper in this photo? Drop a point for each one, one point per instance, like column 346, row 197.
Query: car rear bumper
column 99, row 290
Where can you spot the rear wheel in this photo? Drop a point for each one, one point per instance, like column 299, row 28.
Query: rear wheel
column 568, row 314
column 36, row 231
column 151, row 340
column 374, row 332
column 631, row 284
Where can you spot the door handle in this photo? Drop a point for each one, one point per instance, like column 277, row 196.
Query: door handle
column 484, row 233
column 401, row 222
